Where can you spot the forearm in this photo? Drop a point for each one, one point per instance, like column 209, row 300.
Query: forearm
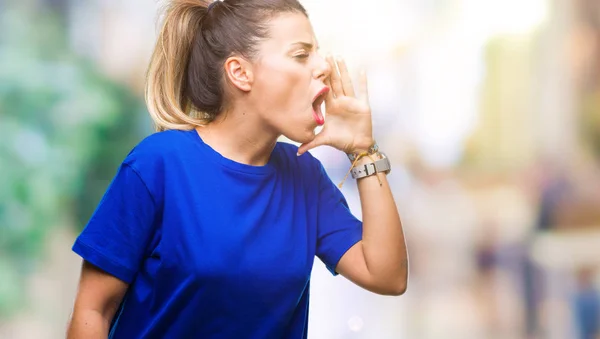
column 88, row 324
column 383, row 241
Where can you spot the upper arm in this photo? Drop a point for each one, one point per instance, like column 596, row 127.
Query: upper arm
column 119, row 234
column 338, row 230
column 353, row 267
column 114, row 244
column 99, row 291
column 339, row 242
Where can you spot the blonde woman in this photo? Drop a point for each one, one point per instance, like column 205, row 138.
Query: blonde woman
column 210, row 226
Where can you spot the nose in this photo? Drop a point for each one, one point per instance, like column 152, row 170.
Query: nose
column 322, row 68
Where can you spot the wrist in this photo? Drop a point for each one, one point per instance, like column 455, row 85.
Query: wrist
column 371, row 166
column 371, row 148
column 363, row 146
column 369, row 158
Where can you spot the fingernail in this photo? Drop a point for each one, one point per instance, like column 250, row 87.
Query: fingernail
column 298, row 154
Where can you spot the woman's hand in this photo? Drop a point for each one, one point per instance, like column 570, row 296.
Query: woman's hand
column 348, row 124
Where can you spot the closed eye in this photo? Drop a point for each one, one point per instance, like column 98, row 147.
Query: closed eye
column 301, row 56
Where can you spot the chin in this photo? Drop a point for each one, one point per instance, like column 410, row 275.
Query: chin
column 302, row 138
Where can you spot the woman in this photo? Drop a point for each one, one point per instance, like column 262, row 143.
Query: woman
column 210, row 227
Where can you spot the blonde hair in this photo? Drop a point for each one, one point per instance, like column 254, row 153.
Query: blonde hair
column 185, row 78
column 165, row 96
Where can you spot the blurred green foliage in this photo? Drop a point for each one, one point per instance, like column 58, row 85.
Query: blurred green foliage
column 64, row 129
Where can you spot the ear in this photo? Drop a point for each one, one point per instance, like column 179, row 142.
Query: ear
column 239, row 73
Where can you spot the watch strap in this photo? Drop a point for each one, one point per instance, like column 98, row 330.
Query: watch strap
column 378, row 166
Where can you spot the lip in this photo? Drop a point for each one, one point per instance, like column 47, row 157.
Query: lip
column 324, row 90
column 317, row 113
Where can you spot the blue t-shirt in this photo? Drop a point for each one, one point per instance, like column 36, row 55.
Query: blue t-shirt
column 213, row 248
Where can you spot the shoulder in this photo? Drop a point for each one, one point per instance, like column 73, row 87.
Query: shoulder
column 288, row 154
column 159, row 147
column 159, row 155
column 306, row 166
column 310, row 171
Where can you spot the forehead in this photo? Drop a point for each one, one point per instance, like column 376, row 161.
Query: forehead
column 288, row 28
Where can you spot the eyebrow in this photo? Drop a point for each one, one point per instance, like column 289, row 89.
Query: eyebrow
column 306, row 45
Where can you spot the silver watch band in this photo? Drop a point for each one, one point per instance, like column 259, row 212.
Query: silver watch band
column 378, row 166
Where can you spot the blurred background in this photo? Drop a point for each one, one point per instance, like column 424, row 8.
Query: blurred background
column 488, row 109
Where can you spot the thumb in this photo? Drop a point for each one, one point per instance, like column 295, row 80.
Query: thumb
column 316, row 142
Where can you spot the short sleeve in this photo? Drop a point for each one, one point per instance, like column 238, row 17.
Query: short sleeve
column 337, row 229
column 115, row 238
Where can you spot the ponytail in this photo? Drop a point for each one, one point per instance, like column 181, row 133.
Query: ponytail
column 166, row 77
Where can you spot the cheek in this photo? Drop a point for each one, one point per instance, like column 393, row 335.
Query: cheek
column 285, row 88
column 291, row 90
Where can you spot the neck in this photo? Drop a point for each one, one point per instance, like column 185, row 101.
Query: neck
column 239, row 136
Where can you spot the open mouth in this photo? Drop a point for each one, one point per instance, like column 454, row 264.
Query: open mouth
column 317, row 103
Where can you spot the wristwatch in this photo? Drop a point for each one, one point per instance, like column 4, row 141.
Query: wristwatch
column 378, row 166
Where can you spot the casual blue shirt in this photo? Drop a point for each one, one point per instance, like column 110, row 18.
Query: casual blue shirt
column 213, row 248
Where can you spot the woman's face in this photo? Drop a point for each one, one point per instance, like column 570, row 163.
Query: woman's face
column 289, row 76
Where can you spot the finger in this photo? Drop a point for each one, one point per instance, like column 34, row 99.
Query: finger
column 330, row 95
column 363, row 86
column 345, row 77
column 334, row 79
column 316, row 142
